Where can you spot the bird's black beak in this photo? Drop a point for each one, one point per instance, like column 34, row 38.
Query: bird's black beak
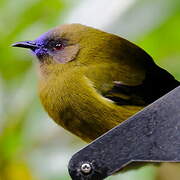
column 26, row 44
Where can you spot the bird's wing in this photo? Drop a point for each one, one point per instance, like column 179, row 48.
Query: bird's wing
column 131, row 77
column 123, row 94
column 156, row 83
column 142, row 81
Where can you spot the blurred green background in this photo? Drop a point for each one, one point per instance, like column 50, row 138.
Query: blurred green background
column 32, row 146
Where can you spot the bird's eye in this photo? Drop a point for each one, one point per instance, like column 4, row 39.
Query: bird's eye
column 58, row 46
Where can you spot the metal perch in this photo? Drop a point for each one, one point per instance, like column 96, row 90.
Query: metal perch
column 152, row 135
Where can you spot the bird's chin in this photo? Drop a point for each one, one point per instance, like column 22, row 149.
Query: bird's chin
column 41, row 54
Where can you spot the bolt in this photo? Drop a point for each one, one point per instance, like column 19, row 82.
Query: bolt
column 86, row 168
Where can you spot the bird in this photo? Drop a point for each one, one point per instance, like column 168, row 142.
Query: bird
column 91, row 81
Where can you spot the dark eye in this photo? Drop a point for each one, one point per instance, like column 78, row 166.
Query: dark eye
column 58, row 46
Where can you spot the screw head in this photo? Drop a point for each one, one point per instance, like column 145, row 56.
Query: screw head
column 86, row 168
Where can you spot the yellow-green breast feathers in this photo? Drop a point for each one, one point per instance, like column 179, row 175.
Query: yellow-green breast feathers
column 72, row 100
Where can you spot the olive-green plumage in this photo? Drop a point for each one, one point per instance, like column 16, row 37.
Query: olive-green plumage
column 90, row 80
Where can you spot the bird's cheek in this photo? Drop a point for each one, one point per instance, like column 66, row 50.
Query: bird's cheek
column 67, row 54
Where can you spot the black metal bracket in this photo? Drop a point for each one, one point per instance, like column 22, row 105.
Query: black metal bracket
column 152, row 135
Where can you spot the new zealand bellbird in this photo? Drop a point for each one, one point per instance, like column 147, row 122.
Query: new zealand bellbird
column 90, row 80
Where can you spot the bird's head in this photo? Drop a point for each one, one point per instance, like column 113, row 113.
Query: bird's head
column 71, row 42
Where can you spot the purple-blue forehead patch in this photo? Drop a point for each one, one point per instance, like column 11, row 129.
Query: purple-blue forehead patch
column 43, row 39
